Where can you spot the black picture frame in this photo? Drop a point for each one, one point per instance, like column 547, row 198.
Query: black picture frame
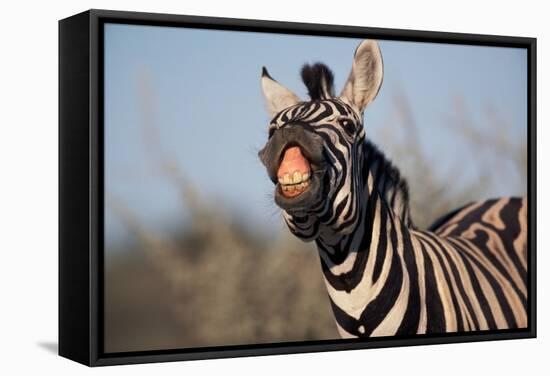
column 81, row 185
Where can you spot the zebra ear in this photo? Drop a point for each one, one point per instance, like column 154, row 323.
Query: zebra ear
column 366, row 76
column 276, row 95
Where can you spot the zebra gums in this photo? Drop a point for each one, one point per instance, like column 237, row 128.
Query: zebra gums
column 385, row 277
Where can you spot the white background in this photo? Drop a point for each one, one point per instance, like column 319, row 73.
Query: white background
column 28, row 196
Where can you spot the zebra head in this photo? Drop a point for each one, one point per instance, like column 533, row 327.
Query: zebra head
column 314, row 151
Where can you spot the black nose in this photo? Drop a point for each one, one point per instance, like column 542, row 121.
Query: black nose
column 291, row 135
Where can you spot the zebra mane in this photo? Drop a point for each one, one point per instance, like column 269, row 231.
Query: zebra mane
column 319, row 81
column 391, row 186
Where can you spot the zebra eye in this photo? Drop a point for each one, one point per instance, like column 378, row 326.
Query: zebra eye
column 347, row 124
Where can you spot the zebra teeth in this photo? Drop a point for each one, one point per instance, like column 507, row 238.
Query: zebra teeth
column 296, row 178
column 293, row 190
column 287, row 179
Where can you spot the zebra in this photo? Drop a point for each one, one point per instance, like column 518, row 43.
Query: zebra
column 384, row 276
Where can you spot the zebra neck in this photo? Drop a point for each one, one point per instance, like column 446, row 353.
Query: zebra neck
column 365, row 271
column 346, row 255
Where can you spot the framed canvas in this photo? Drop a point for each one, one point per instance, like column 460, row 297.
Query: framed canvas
column 234, row 187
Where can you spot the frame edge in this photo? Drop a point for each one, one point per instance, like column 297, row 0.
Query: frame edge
column 74, row 215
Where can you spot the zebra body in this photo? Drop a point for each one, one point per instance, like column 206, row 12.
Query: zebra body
column 385, row 277
column 469, row 274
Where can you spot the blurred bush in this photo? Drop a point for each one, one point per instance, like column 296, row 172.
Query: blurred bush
column 213, row 283
column 488, row 155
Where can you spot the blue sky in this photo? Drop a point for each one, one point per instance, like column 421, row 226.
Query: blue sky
column 210, row 117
